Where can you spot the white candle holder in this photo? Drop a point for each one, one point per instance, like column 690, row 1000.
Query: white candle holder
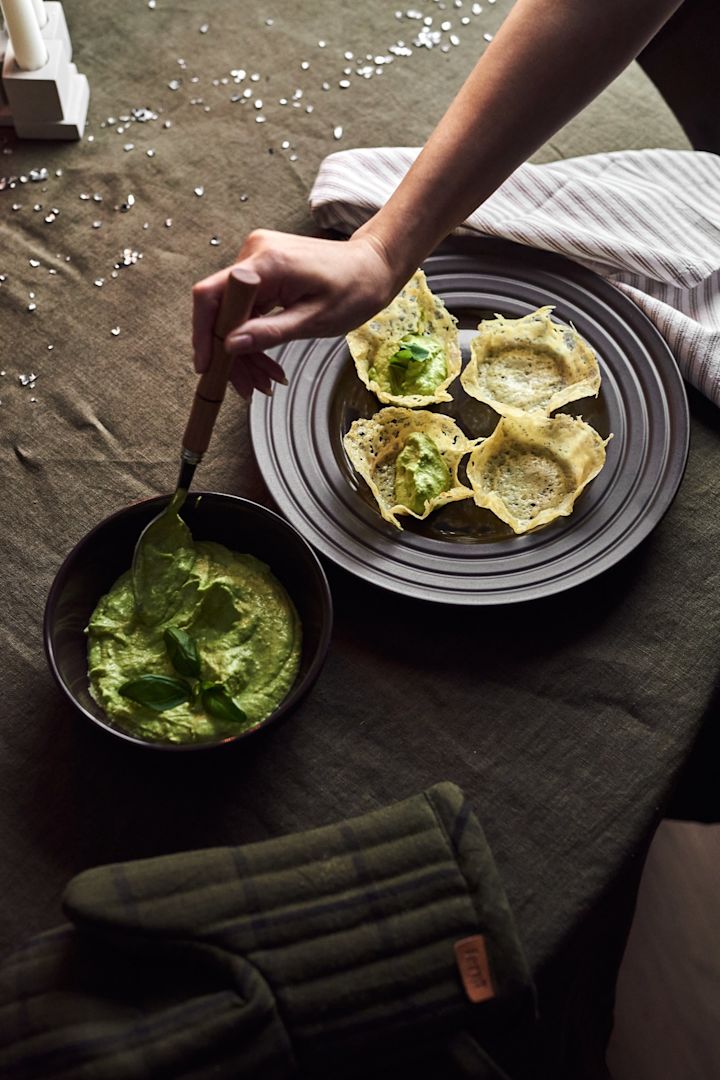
column 5, row 114
column 51, row 102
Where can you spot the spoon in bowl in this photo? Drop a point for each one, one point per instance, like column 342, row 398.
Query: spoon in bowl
column 166, row 532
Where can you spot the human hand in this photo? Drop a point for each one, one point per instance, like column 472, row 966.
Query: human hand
column 322, row 287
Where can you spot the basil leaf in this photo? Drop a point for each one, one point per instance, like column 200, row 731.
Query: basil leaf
column 182, row 651
column 156, row 692
column 408, row 352
column 219, row 704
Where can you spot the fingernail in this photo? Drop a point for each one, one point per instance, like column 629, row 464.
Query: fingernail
column 282, row 379
column 241, row 343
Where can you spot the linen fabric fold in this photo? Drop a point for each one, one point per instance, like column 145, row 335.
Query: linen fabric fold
column 321, row 954
column 646, row 220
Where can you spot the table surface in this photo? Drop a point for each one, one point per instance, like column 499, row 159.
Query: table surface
column 566, row 721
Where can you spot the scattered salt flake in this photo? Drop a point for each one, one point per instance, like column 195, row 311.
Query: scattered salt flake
column 337, row 132
column 115, row 331
column 199, row 191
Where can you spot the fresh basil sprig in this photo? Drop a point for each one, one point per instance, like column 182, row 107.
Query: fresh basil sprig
column 409, row 351
column 161, row 692
column 220, row 704
column 156, row 692
column 182, row 651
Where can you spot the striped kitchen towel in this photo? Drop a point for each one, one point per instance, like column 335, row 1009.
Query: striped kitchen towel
column 646, row 220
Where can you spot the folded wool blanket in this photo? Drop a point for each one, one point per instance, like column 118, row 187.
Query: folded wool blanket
column 330, row 953
column 646, row 220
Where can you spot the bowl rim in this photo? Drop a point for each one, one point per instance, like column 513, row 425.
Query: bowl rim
column 298, row 690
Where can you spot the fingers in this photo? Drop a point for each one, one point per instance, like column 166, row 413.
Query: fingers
column 270, row 367
column 260, row 377
column 206, row 296
column 256, row 372
column 241, row 378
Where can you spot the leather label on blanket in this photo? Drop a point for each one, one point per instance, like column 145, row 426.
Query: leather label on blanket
column 472, row 962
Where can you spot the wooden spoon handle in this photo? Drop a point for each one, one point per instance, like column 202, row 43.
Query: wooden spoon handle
column 235, row 308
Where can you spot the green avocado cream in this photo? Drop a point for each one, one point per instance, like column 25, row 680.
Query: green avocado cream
column 209, row 636
column 421, row 473
column 417, row 367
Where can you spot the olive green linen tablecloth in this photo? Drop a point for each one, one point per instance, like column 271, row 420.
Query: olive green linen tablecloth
column 566, row 722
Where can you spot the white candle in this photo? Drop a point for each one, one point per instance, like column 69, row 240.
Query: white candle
column 21, row 23
column 41, row 12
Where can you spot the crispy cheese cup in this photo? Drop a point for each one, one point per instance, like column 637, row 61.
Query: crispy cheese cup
column 373, row 446
column 414, row 311
column 531, row 470
column 529, row 365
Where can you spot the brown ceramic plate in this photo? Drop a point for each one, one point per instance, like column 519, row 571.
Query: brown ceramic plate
column 463, row 554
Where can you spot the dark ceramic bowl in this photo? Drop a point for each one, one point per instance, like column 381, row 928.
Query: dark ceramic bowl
column 96, row 562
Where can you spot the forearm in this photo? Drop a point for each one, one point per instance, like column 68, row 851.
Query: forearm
column 549, row 59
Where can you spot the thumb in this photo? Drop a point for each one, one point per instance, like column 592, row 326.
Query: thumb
column 263, row 332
